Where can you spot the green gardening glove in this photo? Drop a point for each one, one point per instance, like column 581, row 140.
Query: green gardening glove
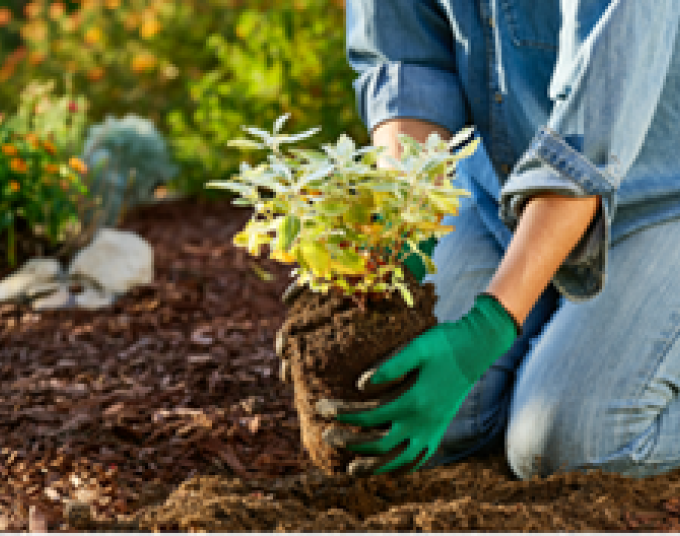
column 450, row 358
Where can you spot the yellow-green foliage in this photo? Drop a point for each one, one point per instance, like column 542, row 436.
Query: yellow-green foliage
column 197, row 68
column 337, row 215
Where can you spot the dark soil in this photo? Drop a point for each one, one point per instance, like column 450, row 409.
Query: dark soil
column 331, row 341
column 164, row 412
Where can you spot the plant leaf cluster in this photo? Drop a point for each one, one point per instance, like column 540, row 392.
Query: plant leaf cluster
column 340, row 217
column 42, row 183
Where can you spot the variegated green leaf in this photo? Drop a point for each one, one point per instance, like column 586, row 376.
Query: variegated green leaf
column 288, row 231
column 405, row 293
column 280, row 122
column 245, row 144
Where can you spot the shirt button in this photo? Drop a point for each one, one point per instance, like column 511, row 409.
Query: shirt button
column 505, row 168
column 499, row 97
column 491, row 21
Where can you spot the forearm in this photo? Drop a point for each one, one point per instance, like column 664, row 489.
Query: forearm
column 549, row 228
column 385, row 134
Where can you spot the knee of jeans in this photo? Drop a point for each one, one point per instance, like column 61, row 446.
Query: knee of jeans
column 529, row 440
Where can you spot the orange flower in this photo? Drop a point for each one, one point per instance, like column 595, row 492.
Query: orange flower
column 112, row 4
column 131, row 21
column 71, row 22
column 5, row 16
column 78, row 165
column 32, row 10
column 143, row 62
column 56, row 10
column 93, row 36
column 32, row 139
column 150, row 28
column 35, row 31
column 9, row 150
column 6, row 72
column 96, row 74
column 18, row 165
column 36, row 58
column 51, row 168
column 49, row 147
column 17, row 55
column 14, row 186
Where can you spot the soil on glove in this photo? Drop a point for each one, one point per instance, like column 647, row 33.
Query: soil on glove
column 331, row 342
column 164, row 412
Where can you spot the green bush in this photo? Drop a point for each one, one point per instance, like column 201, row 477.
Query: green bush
column 41, row 183
column 128, row 159
column 197, row 68
column 271, row 61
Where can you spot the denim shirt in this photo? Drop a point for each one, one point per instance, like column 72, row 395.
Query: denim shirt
column 575, row 97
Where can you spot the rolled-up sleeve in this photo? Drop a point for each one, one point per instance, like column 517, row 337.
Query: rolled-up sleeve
column 403, row 52
column 613, row 61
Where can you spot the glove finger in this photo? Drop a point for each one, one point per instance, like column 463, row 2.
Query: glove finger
column 374, row 465
column 400, row 363
column 382, row 414
column 382, row 444
column 336, row 437
column 333, row 408
column 423, row 459
column 411, row 455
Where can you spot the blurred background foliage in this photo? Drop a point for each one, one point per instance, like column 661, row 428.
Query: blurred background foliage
column 198, row 69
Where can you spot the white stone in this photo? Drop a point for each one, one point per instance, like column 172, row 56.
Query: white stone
column 60, row 297
column 43, row 288
column 116, row 260
column 94, row 298
column 34, row 272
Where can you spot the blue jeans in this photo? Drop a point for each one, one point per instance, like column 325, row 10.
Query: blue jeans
column 591, row 384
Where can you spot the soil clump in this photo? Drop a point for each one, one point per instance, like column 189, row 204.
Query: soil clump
column 331, row 342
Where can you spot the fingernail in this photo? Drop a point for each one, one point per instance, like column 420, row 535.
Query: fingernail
column 326, row 408
column 280, row 342
column 362, row 466
column 334, row 437
column 284, row 371
column 365, row 378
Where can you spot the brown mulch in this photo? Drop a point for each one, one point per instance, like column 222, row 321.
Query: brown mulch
column 165, row 412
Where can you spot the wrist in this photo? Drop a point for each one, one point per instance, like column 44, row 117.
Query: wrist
column 481, row 336
column 518, row 325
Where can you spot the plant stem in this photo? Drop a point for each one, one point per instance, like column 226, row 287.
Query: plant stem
column 11, row 246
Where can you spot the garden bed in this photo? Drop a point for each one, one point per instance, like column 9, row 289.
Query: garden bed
column 165, row 412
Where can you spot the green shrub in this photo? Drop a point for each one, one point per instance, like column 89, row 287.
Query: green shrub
column 41, row 184
column 197, row 68
column 286, row 59
column 128, row 159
